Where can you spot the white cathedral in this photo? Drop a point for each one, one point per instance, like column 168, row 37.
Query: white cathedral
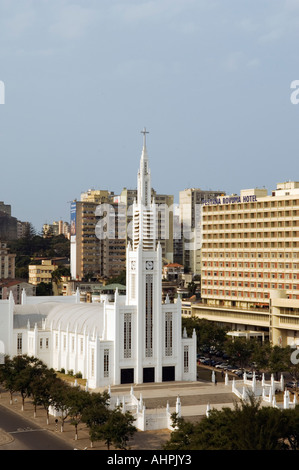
column 132, row 340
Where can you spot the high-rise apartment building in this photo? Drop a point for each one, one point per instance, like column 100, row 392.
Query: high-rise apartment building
column 250, row 246
column 98, row 243
column 164, row 215
column 57, row 228
column 7, row 262
column 190, row 203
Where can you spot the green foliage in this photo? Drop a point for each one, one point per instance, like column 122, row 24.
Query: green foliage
column 59, row 272
column 117, row 429
column 248, row 426
column 33, row 246
column 209, row 334
column 44, row 288
column 120, row 279
column 32, row 378
column 240, row 350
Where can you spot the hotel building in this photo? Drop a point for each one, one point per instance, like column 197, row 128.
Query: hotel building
column 250, row 251
column 251, row 245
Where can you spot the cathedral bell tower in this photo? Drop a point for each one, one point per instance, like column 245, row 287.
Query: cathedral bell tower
column 144, row 269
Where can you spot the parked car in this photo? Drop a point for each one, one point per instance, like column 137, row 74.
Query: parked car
column 292, row 384
column 238, row 372
column 222, row 365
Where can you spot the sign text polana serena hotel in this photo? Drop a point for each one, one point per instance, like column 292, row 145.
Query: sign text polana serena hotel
column 229, row 200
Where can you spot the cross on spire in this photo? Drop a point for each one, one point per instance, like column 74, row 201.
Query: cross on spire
column 144, row 132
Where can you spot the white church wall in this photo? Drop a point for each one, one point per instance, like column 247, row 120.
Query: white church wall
column 105, row 364
column 44, row 346
column 4, row 324
column 189, row 362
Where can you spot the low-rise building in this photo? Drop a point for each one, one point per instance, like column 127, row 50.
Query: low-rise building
column 41, row 272
column 16, row 287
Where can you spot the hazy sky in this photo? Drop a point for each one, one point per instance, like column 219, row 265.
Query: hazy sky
column 209, row 79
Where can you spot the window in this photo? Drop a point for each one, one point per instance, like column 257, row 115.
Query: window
column 106, row 362
column 168, row 334
column 149, row 315
column 92, row 362
column 186, row 358
column 19, row 343
column 127, row 335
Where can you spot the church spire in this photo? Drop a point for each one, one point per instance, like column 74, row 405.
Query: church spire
column 144, row 132
column 144, row 179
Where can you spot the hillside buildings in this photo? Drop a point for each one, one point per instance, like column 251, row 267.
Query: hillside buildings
column 56, row 228
column 10, row 227
column 41, row 272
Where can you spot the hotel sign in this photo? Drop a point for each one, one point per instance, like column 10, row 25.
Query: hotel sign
column 229, row 200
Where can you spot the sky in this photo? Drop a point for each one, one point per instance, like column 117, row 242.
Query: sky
column 209, row 79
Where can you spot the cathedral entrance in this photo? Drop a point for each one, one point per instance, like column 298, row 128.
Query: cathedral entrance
column 148, row 374
column 168, row 374
column 127, row 376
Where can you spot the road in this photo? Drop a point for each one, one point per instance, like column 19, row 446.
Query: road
column 26, row 435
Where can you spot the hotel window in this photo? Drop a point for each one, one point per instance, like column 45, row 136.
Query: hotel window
column 168, row 334
column 106, row 362
column 186, row 359
column 127, row 335
column 41, row 343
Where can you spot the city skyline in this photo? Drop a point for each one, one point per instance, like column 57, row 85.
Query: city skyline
column 210, row 81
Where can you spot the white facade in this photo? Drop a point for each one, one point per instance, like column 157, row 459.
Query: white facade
column 134, row 339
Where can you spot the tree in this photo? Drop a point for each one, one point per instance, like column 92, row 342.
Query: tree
column 279, row 359
column 8, row 376
column 290, row 422
column 209, row 334
column 25, row 369
column 117, row 429
column 182, row 435
column 41, row 389
column 247, row 426
column 59, row 272
column 96, row 414
column 77, row 400
column 44, row 288
column 59, row 401
column 191, row 288
column 260, row 354
column 240, row 351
